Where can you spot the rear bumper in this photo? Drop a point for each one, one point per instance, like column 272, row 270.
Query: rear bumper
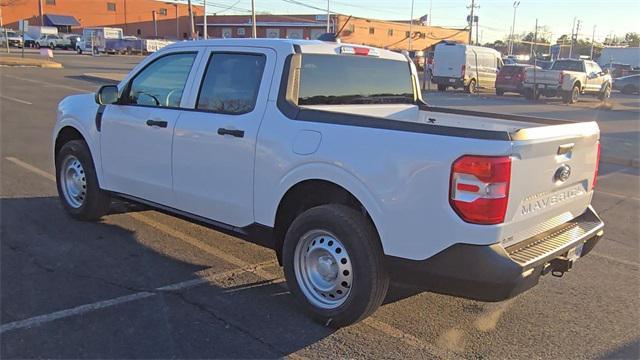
column 495, row 273
column 449, row 81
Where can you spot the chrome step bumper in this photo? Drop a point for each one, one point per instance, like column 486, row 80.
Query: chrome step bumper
column 550, row 244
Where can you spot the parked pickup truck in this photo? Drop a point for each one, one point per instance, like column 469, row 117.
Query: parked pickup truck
column 53, row 41
column 351, row 178
column 568, row 78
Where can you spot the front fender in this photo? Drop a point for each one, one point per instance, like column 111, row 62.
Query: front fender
column 78, row 112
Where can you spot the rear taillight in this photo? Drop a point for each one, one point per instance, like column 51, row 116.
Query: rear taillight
column 479, row 188
column 463, row 70
column 595, row 174
column 519, row 76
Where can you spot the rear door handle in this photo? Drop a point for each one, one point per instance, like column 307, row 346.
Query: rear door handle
column 158, row 123
column 232, row 132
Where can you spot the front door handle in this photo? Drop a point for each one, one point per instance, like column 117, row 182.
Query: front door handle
column 158, row 123
column 232, row 132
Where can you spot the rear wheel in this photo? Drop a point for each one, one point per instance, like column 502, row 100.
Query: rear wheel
column 527, row 93
column 334, row 265
column 77, row 183
column 571, row 97
column 37, row 45
column 442, row 87
column 499, row 92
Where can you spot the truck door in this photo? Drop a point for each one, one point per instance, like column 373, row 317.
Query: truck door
column 214, row 146
column 136, row 135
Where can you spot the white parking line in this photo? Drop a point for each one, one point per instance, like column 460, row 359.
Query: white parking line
column 83, row 309
column 47, row 83
column 31, row 168
column 15, row 99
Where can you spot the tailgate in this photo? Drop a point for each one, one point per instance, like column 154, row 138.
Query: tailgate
column 546, row 77
column 552, row 176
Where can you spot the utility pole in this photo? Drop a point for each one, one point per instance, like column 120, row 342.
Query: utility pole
column 177, row 23
column 573, row 28
column 593, row 41
column 513, row 26
column 533, row 51
column 193, row 30
column 473, row 5
column 328, row 16
column 254, row 30
column 205, row 32
column 155, row 23
column 430, row 12
column 40, row 12
column 411, row 25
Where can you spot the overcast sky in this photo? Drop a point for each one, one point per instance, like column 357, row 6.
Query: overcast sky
column 495, row 16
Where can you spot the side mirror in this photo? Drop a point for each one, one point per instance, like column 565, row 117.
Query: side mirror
column 593, row 75
column 107, row 94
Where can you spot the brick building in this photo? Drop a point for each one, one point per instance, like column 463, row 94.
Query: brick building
column 136, row 17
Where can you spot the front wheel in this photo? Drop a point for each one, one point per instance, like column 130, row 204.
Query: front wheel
column 77, row 183
column 471, row 88
column 605, row 94
column 37, row 45
column 334, row 264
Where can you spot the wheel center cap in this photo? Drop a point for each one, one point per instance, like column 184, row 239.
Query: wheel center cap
column 327, row 268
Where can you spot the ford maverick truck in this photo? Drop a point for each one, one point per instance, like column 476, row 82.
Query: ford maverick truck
column 327, row 153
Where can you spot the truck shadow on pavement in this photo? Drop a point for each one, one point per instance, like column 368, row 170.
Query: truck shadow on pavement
column 51, row 263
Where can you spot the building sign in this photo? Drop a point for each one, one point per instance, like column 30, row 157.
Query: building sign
column 226, row 33
column 240, row 31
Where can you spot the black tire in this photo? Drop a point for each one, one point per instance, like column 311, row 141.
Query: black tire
column 37, row 45
column 79, row 51
column 361, row 242
column 471, row 88
column 96, row 201
column 52, row 46
column 573, row 95
column 442, row 87
column 605, row 94
column 499, row 92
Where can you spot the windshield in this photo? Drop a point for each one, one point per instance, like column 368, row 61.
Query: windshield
column 346, row 79
column 568, row 65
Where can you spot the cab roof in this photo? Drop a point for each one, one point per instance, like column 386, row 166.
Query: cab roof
column 287, row 46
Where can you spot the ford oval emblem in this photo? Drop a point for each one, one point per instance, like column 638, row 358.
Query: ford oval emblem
column 563, row 173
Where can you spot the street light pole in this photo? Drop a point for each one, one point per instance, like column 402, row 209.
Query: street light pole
column 513, row 26
column 411, row 25
column 192, row 29
column 328, row 15
column 593, row 40
column 254, row 30
column 206, row 30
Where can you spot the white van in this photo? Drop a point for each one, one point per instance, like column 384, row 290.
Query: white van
column 465, row 66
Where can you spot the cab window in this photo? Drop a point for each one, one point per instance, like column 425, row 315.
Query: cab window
column 231, row 83
column 162, row 82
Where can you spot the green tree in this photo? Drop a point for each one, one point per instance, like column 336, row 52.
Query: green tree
column 632, row 39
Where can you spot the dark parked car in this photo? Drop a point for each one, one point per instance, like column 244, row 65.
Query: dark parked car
column 618, row 70
column 627, row 84
column 510, row 78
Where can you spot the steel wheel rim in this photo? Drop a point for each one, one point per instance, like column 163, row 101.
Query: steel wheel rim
column 73, row 181
column 323, row 269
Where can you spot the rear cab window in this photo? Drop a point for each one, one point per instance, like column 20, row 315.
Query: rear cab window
column 568, row 65
column 354, row 79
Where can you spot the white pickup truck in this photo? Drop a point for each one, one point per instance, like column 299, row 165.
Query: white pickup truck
column 326, row 153
column 567, row 78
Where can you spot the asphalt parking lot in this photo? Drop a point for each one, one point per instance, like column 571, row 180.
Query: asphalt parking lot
column 142, row 284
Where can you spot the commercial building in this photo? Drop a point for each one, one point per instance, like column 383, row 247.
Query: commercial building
column 151, row 18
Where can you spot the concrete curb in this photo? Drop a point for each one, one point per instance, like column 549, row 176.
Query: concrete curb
column 26, row 62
